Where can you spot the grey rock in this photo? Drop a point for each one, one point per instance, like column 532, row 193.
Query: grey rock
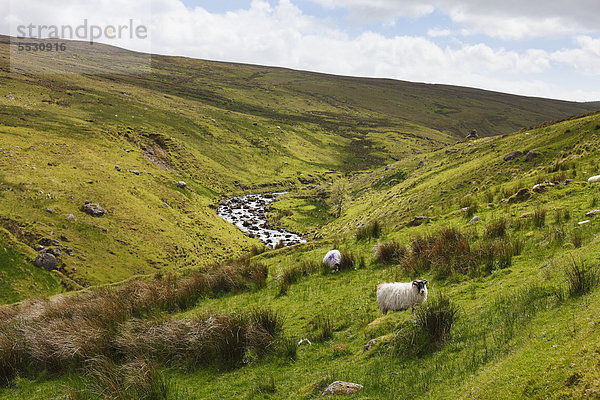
column 521, row 195
column 531, row 154
column 340, row 387
column 50, row 210
column 93, row 209
column 55, row 252
column 71, row 217
column 181, row 185
column 472, row 136
column 373, row 342
column 592, row 213
column 512, row 155
column 474, row 219
column 46, row 261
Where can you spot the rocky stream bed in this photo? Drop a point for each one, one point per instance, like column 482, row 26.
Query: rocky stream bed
column 249, row 214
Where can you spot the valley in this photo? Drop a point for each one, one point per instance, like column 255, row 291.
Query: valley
column 199, row 170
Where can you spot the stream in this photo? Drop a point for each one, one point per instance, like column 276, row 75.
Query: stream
column 249, row 214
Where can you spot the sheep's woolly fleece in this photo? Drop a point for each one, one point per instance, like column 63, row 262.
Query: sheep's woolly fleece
column 399, row 296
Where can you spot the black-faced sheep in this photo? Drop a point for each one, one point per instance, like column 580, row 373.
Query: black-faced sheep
column 399, row 296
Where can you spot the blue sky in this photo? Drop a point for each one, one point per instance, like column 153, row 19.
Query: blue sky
column 547, row 48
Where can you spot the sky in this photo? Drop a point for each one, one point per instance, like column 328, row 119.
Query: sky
column 544, row 48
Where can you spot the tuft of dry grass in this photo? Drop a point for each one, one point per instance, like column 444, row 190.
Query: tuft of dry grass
column 497, row 228
column 369, row 231
column 64, row 332
column 447, row 251
column 387, row 253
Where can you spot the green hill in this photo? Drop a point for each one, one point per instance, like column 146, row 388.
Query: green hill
column 395, row 150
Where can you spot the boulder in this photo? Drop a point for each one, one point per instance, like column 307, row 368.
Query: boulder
column 93, row 209
column 373, row 342
column 181, row 185
column 70, row 217
column 46, row 261
column 592, row 213
column 541, row 187
column 474, row 219
column 512, row 155
column 472, row 136
column 339, row 387
column 521, row 195
column 50, row 210
column 531, row 154
column 418, row 220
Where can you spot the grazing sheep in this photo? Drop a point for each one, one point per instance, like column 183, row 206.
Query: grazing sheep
column 398, row 296
column 594, row 179
column 332, row 259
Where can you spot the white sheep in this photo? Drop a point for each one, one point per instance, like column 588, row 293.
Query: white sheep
column 399, row 296
column 594, row 179
column 332, row 259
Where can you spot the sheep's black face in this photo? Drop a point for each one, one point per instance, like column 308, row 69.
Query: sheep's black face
column 420, row 285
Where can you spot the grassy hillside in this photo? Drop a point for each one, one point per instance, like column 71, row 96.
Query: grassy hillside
column 511, row 294
column 221, row 128
column 511, row 278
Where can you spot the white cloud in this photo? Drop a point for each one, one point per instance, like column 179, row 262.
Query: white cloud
column 585, row 59
column 438, row 32
column 507, row 19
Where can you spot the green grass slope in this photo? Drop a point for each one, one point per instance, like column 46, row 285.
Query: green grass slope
column 222, row 128
column 521, row 328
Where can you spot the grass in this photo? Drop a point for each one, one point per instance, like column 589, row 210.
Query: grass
column 63, row 333
column 430, row 330
column 369, row 231
column 389, row 252
column 581, row 279
column 192, row 330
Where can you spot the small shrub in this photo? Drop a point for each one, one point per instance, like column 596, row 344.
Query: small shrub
column 429, row 331
column 287, row 347
column 581, row 279
column 557, row 235
column 497, row 228
column 321, row 328
column 280, row 245
column 267, row 319
column 577, row 238
column 562, row 215
column 497, row 253
column 389, row 252
column 287, row 277
column 139, row 379
column 347, row 262
column 361, row 263
column 256, row 250
column 369, row 231
column 488, row 196
column 436, row 319
column 539, row 218
column 447, row 251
